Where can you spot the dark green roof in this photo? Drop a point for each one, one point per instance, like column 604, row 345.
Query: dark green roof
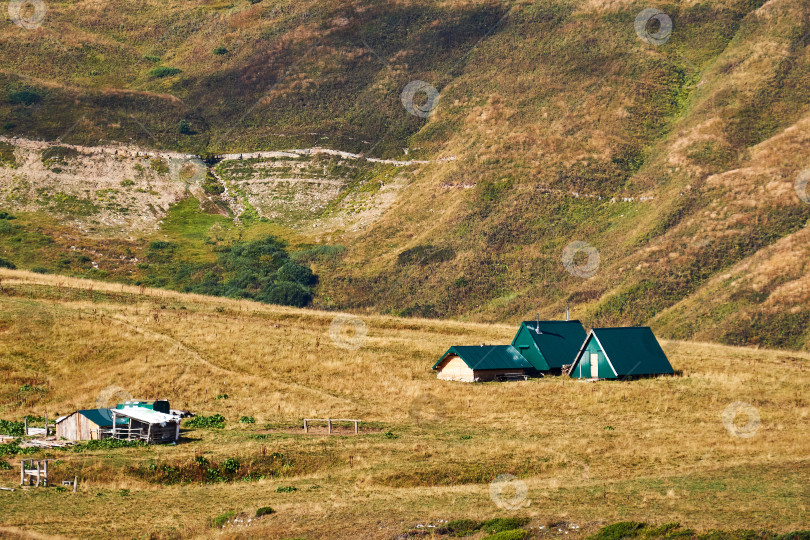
column 558, row 341
column 632, row 350
column 487, row 357
column 101, row 417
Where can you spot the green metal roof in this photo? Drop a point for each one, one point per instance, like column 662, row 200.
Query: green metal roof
column 632, row 350
column 487, row 357
column 102, row 417
column 558, row 341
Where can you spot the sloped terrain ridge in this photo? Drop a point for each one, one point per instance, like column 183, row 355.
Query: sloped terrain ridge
column 638, row 171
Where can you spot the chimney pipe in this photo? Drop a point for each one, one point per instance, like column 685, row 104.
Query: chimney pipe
column 566, row 313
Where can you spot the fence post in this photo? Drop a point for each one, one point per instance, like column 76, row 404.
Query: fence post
column 75, row 482
column 306, row 428
column 22, row 472
column 26, row 426
column 46, row 473
column 329, row 420
column 356, row 430
column 39, row 471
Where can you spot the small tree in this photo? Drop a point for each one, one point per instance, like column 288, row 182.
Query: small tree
column 184, row 127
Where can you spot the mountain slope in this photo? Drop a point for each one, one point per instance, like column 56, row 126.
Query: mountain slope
column 677, row 162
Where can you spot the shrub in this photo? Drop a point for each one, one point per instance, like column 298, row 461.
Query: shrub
column 7, row 264
column 503, row 524
column 127, row 182
column 287, row 294
column 617, row 531
column 514, row 534
column 151, row 58
column 216, row 421
column 6, row 215
column 264, row 511
column 39, row 270
column 286, row 489
column 220, row 50
column 247, row 420
column 26, row 96
column 7, row 154
column 220, row 521
column 164, row 71
column 184, row 127
column 296, row 273
column 463, row 527
column 212, row 186
column 159, row 165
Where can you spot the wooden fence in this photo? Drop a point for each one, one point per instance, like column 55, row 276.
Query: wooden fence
column 329, row 422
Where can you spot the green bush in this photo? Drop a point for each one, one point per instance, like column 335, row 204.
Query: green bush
column 264, row 511
column 127, row 182
column 4, row 465
column 463, row 527
column 220, row 521
column 39, row 270
column 164, row 71
column 159, row 165
column 503, row 524
column 247, row 420
column 216, row 421
column 212, row 186
column 184, row 127
column 514, row 534
column 286, row 489
column 10, row 427
column 26, row 96
column 618, row 531
column 220, row 50
column 7, row 264
column 287, row 294
column 296, row 273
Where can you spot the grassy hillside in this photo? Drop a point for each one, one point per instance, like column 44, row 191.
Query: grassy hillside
column 677, row 162
column 590, row 454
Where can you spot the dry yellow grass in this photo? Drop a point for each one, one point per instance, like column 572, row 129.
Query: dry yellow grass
column 653, row 450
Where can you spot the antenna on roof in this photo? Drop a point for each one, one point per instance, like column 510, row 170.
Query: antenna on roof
column 566, row 313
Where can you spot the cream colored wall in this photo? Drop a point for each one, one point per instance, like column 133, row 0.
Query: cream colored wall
column 454, row 369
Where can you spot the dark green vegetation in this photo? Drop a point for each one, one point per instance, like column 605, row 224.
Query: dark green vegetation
column 633, row 529
column 260, row 270
column 206, row 422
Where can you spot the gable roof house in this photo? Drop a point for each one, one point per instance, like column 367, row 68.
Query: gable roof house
column 614, row 353
column 479, row 363
column 549, row 345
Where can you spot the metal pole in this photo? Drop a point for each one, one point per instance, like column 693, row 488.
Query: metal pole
column 355, row 427
column 329, row 420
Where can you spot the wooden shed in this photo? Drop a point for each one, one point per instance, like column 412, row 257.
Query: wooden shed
column 86, row 425
column 549, row 345
column 617, row 353
column 481, row 363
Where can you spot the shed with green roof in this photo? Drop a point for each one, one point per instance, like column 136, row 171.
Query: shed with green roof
column 619, row 353
column 549, row 345
column 481, row 363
